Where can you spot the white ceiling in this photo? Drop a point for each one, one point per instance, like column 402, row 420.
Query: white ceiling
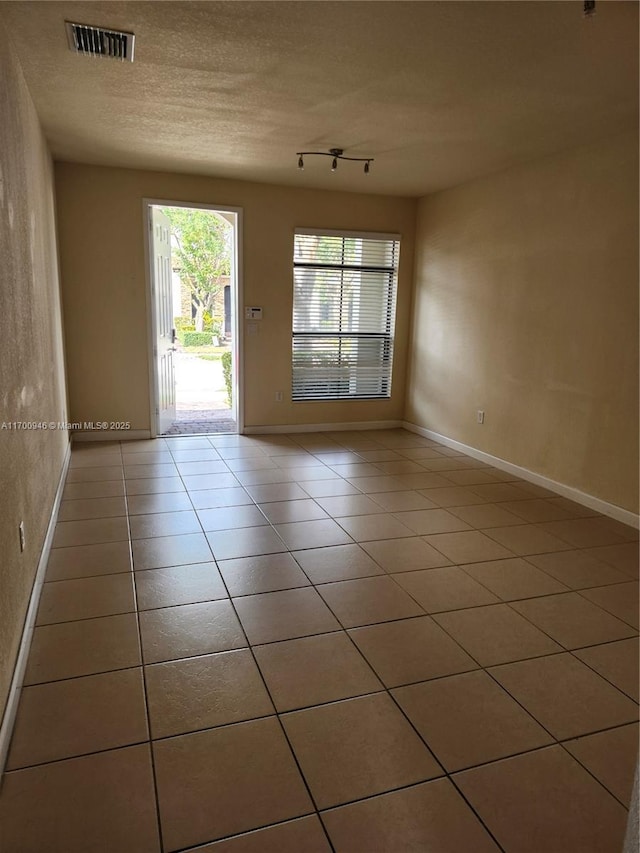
column 436, row 92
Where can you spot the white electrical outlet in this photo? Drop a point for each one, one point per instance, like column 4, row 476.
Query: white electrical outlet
column 480, row 416
column 21, row 534
column 278, row 396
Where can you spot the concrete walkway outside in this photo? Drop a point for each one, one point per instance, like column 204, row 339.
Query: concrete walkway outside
column 201, row 396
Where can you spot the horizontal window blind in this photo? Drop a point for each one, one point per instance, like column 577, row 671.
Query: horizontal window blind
column 344, row 293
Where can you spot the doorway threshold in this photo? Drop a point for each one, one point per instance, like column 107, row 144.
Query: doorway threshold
column 198, row 427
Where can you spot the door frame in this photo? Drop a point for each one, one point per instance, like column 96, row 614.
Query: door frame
column 237, row 328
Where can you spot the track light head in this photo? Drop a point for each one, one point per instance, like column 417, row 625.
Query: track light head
column 366, row 168
column 300, row 162
column 334, row 164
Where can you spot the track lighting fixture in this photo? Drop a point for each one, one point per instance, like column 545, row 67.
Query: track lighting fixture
column 337, row 154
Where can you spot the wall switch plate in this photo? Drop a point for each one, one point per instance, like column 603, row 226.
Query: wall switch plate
column 480, row 416
column 253, row 313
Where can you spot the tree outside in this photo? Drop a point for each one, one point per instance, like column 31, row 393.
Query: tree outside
column 201, row 250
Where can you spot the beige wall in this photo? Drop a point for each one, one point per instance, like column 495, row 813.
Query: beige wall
column 526, row 306
column 104, row 290
column 32, row 384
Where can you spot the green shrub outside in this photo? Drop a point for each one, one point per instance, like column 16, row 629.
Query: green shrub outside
column 195, row 339
column 226, row 371
column 183, row 324
column 211, row 325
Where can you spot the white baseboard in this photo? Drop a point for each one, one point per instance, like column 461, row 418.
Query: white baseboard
column 337, row 427
column 11, row 708
column 597, row 504
column 111, row 435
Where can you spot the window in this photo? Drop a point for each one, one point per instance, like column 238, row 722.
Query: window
column 344, row 294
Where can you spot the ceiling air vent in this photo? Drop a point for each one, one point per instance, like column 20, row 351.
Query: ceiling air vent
column 97, row 41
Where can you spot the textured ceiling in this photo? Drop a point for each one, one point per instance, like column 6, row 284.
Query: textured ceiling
column 436, row 92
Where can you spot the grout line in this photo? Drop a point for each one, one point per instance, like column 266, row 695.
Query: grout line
column 202, row 844
column 82, row 675
column 566, row 591
column 88, row 754
column 571, row 651
column 589, row 771
column 581, row 592
column 144, row 690
column 604, row 677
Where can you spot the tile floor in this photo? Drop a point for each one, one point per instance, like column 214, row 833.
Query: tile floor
column 359, row 642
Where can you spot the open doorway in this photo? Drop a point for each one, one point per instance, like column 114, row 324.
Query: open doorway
column 193, row 270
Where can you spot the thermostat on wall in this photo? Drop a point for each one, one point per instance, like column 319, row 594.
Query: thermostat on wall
column 253, row 313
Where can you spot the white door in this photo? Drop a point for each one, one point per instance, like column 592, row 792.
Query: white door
column 164, row 332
